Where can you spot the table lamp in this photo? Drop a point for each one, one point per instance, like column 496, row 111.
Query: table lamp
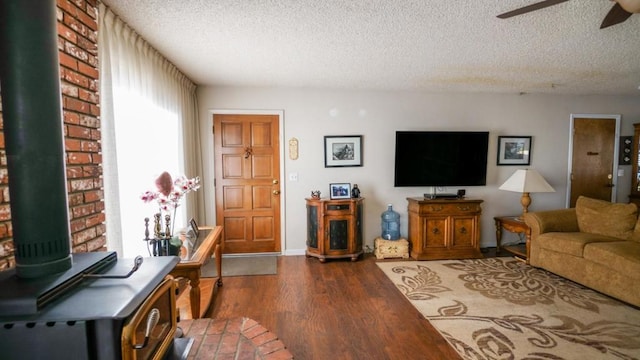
column 526, row 181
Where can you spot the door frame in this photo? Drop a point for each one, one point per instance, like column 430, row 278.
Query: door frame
column 616, row 146
column 211, row 205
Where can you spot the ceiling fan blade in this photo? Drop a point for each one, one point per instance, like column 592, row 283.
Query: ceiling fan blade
column 530, row 8
column 615, row 16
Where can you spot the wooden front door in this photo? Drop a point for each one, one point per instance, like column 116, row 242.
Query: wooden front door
column 593, row 166
column 247, row 171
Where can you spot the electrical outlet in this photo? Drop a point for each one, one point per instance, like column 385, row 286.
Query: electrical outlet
column 293, row 176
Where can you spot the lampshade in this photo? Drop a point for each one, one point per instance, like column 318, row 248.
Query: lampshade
column 632, row 6
column 526, row 181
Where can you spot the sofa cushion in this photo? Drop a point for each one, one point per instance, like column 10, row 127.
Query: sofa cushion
column 605, row 218
column 572, row 243
column 623, row 256
column 636, row 232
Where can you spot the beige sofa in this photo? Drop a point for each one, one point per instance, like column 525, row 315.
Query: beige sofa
column 596, row 244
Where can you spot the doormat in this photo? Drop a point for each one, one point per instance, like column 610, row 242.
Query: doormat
column 243, row 266
column 499, row 308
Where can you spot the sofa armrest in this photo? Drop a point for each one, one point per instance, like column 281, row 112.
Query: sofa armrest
column 560, row 220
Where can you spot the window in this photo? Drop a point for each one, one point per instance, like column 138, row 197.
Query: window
column 146, row 145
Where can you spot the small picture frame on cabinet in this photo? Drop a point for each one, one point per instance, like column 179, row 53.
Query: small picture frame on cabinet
column 194, row 227
column 340, row 191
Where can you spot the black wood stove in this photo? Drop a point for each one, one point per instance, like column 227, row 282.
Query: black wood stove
column 103, row 316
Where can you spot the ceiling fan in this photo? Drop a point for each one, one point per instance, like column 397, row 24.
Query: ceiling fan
column 620, row 12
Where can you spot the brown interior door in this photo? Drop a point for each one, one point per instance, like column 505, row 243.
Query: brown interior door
column 592, row 165
column 247, row 171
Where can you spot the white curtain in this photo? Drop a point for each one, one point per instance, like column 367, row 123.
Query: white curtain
column 149, row 125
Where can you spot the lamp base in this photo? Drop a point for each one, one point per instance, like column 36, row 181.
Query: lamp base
column 525, row 200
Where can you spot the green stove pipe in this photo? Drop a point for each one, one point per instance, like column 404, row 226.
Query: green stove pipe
column 34, row 139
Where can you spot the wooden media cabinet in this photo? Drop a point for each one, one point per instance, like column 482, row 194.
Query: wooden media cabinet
column 444, row 228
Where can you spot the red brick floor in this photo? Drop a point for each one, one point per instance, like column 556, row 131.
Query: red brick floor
column 233, row 339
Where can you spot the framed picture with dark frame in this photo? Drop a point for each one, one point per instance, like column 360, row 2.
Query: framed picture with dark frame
column 345, row 150
column 194, row 226
column 514, row 150
column 340, row 191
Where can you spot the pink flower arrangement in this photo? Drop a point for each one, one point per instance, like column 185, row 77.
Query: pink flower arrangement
column 170, row 192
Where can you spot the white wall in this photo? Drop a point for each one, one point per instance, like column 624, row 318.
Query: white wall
column 310, row 114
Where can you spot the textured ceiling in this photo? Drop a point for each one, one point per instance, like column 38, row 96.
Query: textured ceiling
column 456, row 45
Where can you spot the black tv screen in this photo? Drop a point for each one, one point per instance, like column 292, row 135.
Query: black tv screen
column 441, row 158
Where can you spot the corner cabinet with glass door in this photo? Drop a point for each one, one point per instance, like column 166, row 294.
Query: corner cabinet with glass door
column 334, row 228
column 634, row 196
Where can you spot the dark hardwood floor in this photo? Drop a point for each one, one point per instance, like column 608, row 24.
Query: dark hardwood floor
column 336, row 310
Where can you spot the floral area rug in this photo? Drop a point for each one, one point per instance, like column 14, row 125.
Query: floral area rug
column 502, row 308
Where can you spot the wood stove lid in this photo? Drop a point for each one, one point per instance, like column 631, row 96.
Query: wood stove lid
column 93, row 298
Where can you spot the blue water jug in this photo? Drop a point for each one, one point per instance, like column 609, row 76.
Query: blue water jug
column 390, row 224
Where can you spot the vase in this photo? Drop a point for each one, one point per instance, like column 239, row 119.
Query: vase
column 174, row 246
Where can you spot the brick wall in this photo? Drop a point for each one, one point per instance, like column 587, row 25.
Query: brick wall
column 78, row 52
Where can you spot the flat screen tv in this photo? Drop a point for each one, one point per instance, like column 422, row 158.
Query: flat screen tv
column 441, row 158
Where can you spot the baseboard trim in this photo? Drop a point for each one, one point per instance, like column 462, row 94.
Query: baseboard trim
column 294, row 252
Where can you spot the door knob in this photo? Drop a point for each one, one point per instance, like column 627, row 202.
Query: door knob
column 276, row 192
column 610, row 182
column 275, row 181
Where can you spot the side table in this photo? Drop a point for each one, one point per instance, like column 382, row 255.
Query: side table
column 194, row 254
column 515, row 225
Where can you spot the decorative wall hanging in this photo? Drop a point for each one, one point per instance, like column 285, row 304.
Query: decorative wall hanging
column 626, row 147
column 293, row 149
